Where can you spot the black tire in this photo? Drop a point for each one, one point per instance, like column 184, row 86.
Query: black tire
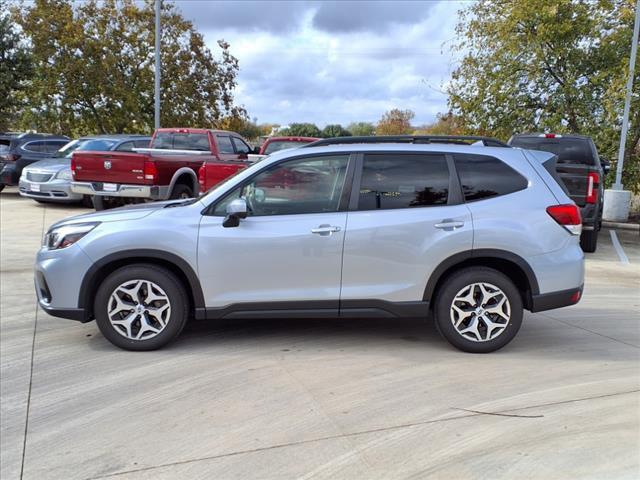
column 1, row 186
column 163, row 278
column 181, row 191
column 589, row 241
column 99, row 203
column 458, row 281
column 87, row 201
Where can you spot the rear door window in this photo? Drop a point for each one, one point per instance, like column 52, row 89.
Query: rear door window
column 568, row 150
column 141, row 143
column 52, row 146
column 125, row 147
column 392, row 181
column 483, row 177
column 37, row 146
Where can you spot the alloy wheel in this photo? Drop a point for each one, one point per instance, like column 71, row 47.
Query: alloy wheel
column 139, row 309
column 480, row 312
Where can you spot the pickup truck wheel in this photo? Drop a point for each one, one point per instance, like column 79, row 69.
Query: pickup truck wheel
column 478, row 310
column 181, row 191
column 141, row 307
column 589, row 240
column 1, row 186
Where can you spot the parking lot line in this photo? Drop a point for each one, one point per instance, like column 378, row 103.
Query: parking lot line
column 619, row 250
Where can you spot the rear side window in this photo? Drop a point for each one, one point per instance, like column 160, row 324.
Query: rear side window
column 141, row 143
column 125, row 147
column 224, row 144
column 482, row 177
column 38, row 146
column 181, row 141
column 391, row 181
column 568, row 150
column 55, row 145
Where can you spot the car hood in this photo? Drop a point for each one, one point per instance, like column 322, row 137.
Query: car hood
column 129, row 212
column 51, row 165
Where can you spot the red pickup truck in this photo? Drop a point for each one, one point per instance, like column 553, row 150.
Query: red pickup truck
column 166, row 170
column 210, row 173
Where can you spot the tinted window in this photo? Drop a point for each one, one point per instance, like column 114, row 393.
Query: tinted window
column 403, row 181
column 181, row 141
column 282, row 145
column 568, row 150
column 141, row 143
column 125, row 147
column 224, row 144
column 484, row 177
column 241, row 147
column 53, row 146
column 34, row 146
column 310, row 185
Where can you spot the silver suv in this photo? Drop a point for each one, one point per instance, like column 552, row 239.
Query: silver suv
column 360, row 227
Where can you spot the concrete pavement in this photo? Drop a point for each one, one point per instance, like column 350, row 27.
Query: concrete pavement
column 319, row 399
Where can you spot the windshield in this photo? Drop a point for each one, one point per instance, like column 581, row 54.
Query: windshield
column 568, row 150
column 283, row 145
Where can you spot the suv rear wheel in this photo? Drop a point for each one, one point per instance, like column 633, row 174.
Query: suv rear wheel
column 478, row 310
column 589, row 240
column 141, row 307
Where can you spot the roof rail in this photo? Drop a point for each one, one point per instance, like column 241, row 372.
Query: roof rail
column 456, row 139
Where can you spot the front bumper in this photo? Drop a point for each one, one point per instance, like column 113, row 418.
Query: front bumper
column 54, row 190
column 120, row 190
column 58, row 279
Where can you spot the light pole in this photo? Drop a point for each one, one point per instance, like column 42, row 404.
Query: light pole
column 156, row 115
column 616, row 199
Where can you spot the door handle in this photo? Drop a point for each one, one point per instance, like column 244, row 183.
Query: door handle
column 325, row 230
column 445, row 224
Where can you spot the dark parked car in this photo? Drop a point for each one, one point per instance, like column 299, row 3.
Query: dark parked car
column 50, row 180
column 581, row 171
column 25, row 149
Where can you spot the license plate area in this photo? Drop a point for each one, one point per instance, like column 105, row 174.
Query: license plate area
column 34, row 187
column 109, row 187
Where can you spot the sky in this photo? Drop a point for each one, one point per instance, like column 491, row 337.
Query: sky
column 334, row 62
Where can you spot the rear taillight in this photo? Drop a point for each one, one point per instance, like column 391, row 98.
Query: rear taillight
column 12, row 157
column 150, row 171
column 73, row 167
column 568, row 216
column 593, row 180
column 550, row 135
column 202, row 178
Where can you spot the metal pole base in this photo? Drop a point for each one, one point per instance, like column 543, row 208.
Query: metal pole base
column 616, row 205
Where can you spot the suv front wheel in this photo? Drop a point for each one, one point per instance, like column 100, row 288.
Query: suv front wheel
column 141, row 307
column 478, row 310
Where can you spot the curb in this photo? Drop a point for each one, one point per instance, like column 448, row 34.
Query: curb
column 622, row 226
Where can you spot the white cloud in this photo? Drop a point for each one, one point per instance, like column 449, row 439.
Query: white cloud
column 312, row 70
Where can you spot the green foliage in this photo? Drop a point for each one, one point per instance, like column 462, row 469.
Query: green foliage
column 362, row 129
column 331, row 131
column 301, row 130
column 94, row 68
column 15, row 69
column 549, row 65
column 395, row 122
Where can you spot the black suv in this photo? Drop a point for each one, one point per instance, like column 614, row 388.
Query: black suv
column 25, row 149
column 581, row 171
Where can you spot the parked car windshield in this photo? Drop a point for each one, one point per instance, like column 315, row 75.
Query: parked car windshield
column 568, row 150
column 282, row 145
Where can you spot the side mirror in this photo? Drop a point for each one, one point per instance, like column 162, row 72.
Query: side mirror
column 606, row 165
column 236, row 210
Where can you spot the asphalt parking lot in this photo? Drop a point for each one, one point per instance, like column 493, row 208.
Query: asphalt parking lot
column 319, row 398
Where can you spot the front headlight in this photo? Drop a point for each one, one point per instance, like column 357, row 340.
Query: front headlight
column 64, row 174
column 66, row 235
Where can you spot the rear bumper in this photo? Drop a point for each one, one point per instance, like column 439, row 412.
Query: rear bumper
column 121, row 190
column 549, row 301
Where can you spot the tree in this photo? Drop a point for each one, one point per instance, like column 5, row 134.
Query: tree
column 242, row 125
column 395, row 122
column 539, row 65
column 331, row 131
column 15, row 69
column 445, row 124
column 94, row 68
column 362, row 129
column 302, row 130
